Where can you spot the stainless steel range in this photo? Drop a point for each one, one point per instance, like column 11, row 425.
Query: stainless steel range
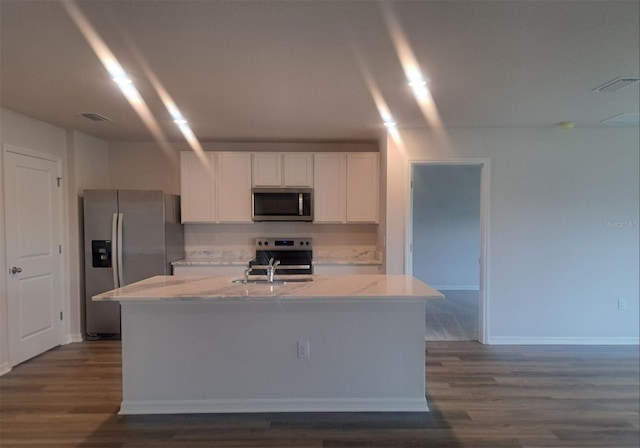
column 291, row 256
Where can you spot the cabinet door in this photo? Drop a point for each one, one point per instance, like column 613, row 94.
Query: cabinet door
column 197, row 187
column 362, row 187
column 330, row 177
column 298, row 169
column 347, row 269
column 267, row 170
column 234, row 187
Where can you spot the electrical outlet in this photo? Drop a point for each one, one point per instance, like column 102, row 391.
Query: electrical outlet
column 622, row 304
column 303, row 349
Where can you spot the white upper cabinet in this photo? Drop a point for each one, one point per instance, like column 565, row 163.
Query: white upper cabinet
column 298, row 169
column 267, row 169
column 197, row 187
column 330, row 188
column 346, row 187
column 216, row 188
column 363, row 186
column 234, row 186
column 282, row 169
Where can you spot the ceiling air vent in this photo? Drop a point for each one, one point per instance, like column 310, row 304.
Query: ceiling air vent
column 616, row 84
column 96, row 117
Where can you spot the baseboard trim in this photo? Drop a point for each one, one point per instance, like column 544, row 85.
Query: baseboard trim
column 5, row 367
column 76, row 337
column 132, row 407
column 506, row 340
column 456, row 287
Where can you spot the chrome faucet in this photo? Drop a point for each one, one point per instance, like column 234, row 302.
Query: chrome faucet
column 271, row 269
column 247, row 271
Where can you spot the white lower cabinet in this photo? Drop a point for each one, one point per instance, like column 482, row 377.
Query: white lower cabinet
column 238, row 270
column 346, row 269
column 209, row 271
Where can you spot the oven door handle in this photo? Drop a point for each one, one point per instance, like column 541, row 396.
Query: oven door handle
column 300, row 202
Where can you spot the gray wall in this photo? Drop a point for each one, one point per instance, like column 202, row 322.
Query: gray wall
column 446, row 225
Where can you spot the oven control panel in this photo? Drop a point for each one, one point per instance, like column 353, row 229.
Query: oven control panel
column 284, row 243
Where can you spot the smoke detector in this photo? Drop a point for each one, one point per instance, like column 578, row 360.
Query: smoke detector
column 95, row 117
column 617, row 84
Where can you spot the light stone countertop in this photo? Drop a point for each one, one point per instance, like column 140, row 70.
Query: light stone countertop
column 322, row 288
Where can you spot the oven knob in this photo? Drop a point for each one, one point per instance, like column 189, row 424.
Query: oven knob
column 266, row 243
column 301, row 243
column 259, row 243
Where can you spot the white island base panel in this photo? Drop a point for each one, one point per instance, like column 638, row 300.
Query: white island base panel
column 183, row 356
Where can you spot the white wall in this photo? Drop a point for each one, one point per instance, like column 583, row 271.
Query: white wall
column 27, row 133
column 446, row 225
column 90, row 157
column 144, row 166
column 85, row 165
column 563, row 241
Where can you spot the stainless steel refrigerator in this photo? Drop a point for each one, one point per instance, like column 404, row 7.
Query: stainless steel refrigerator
column 129, row 235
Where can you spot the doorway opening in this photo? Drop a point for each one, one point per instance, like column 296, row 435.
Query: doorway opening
column 447, row 238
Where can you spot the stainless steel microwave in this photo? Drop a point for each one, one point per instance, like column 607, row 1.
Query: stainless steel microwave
column 282, row 204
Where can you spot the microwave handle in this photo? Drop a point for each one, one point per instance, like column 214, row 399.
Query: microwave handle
column 300, row 201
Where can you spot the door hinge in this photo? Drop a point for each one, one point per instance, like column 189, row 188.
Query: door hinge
column 60, row 315
column 412, row 184
column 59, row 248
column 59, row 179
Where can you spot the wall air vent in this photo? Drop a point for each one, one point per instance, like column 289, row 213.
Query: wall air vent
column 616, row 85
column 96, row 117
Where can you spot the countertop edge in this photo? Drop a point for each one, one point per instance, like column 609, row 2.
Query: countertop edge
column 316, row 262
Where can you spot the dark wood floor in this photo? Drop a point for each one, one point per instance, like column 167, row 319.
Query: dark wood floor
column 480, row 396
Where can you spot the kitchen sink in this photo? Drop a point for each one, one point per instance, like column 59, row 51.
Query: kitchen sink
column 274, row 282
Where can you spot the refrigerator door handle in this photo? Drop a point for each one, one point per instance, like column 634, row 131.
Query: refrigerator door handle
column 114, row 258
column 120, row 237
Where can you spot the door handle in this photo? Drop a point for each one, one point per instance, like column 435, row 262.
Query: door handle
column 16, row 270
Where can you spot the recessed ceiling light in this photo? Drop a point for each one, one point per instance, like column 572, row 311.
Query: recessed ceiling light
column 121, row 80
column 617, row 84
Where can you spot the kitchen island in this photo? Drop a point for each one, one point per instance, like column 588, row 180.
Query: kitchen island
column 336, row 343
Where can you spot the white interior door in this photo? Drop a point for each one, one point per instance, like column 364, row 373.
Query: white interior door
column 32, row 214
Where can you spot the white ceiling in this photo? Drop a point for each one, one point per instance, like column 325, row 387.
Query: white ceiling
column 295, row 70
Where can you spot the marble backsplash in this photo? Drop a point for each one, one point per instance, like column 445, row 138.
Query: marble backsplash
column 235, row 243
column 227, row 254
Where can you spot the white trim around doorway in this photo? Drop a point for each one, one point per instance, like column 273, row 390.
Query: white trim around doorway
column 485, row 202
